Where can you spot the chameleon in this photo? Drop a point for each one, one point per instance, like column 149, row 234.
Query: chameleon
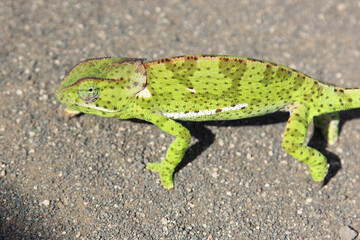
column 207, row 88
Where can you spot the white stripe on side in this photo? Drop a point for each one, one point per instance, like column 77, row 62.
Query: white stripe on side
column 204, row 112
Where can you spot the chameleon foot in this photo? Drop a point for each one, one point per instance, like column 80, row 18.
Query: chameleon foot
column 318, row 171
column 166, row 174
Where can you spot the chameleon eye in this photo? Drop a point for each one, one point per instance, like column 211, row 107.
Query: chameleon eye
column 88, row 92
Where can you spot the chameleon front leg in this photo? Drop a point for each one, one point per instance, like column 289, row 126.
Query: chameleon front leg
column 175, row 151
column 329, row 126
column 293, row 143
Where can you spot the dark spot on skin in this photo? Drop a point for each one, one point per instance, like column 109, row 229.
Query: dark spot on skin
column 350, row 100
column 218, row 110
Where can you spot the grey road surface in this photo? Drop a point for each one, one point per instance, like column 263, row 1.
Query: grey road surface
column 84, row 177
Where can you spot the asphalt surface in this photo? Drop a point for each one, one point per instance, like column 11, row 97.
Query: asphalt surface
column 84, row 177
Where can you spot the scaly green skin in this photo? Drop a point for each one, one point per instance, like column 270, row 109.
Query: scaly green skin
column 203, row 88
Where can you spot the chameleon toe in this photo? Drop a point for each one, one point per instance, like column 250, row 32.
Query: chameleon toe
column 154, row 166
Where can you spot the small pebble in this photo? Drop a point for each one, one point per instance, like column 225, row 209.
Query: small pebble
column 300, row 211
column 347, row 233
column 46, row 203
column 164, row 221
column 19, row 92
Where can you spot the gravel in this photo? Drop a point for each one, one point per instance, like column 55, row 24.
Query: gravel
column 84, row 177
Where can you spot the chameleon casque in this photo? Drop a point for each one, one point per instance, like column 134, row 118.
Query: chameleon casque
column 205, row 88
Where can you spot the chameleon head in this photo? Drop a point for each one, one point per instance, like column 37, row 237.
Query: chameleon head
column 102, row 86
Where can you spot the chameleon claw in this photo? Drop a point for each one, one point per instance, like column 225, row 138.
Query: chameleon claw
column 166, row 175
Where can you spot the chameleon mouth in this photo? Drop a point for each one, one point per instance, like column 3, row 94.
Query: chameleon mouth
column 58, row 92
column 58, row 95
column 86, row 105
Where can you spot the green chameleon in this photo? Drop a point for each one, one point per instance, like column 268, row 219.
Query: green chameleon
column 205, row 88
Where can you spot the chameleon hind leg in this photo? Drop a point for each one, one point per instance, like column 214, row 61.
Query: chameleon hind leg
column 329, row 126
column 175, row 151
column 293, row 143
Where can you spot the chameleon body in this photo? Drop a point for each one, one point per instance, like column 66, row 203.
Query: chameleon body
column 204, row 88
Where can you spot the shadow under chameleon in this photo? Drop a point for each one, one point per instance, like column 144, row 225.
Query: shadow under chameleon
column 205, row 137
